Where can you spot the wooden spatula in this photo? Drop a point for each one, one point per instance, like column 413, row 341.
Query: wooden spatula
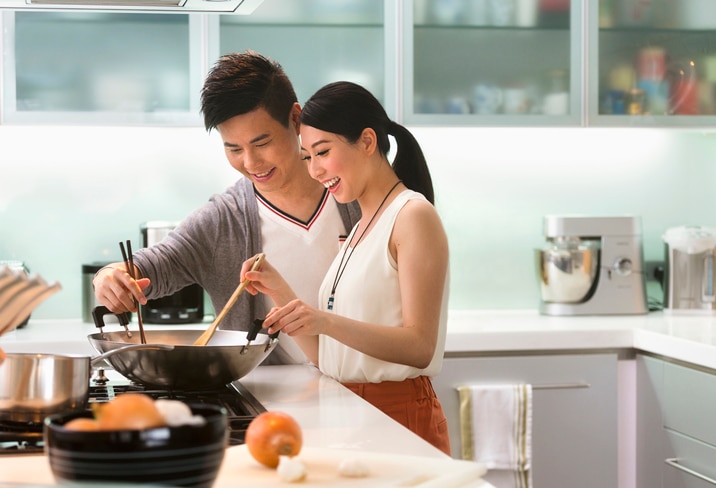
column 209, row 333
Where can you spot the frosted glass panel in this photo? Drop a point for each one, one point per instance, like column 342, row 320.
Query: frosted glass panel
column 657, row 58
column 90, row 62
column 491, row 57
column 316, row 42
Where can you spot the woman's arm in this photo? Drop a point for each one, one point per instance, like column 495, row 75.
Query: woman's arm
column 419, row 246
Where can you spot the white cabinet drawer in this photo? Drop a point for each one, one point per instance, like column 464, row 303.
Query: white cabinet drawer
column 690, row 402
column 574, row 440
column 691, row 463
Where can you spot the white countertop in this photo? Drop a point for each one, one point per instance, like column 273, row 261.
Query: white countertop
column 686, row 336
column 331, row 416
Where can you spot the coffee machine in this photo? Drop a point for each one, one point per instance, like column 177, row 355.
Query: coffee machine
column 591, row 266
column 182, row 307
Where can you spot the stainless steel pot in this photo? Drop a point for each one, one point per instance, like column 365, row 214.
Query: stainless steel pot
column 228, row 357
column 33, row 386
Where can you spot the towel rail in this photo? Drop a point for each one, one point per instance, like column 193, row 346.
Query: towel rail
column 674, row 462
column 560, row 386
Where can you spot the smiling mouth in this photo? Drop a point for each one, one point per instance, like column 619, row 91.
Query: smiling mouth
column 331, row 183
column 261, row 176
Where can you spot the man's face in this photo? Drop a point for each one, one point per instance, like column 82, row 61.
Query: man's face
column 262, row 149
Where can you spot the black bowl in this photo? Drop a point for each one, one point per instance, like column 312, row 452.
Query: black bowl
column 177, row 456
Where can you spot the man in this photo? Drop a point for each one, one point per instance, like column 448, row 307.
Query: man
column 276, row 208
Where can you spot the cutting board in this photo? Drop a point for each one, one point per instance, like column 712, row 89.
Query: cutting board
column 386, row 470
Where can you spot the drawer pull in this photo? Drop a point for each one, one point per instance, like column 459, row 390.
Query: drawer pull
column 560, row 386
column 674, row 462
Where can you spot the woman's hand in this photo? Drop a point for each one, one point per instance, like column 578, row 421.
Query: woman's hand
column 116, row 290
column 267, row 280
column 296, row 318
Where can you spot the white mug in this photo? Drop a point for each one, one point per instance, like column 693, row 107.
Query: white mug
column 516, row 100
column 486, row 98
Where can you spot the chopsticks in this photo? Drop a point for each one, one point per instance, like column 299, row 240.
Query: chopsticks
column 129, row 264
column 209, row 333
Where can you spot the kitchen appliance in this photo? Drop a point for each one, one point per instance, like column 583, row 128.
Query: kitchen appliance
column 690, row 268
column 184, row 306
column 591, row 266
column 25, row 438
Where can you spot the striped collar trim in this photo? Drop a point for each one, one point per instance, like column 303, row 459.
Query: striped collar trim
column 305, row 225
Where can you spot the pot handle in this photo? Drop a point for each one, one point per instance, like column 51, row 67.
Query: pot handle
column 130, row 347
column 100, row 311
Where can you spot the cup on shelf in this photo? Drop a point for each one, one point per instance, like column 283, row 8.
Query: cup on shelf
column 556, row 103
column 656, row 93
column 457, row 105
column 516, row 100
column 486, row 98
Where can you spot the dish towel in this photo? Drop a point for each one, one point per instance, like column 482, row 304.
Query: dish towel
column 496, row 429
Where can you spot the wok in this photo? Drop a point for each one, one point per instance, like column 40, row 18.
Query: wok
column 33, row 386
column 228, row 357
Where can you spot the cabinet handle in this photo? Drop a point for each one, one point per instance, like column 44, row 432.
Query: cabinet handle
column 674, row 462
column 560, row 386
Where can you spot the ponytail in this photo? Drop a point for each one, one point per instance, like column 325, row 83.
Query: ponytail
column 409, row 163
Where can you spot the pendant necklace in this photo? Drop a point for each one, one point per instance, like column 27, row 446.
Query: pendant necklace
column 342, row 265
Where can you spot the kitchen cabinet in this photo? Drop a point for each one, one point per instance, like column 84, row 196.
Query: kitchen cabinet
column 100, row 68
column 652, row 63
column 574, row 440
column 148, row 69
column 316, row 42
column 630, row 63
column 492, row 62
column 676, row 437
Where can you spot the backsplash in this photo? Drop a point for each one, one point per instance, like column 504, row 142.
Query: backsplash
column 69, row 195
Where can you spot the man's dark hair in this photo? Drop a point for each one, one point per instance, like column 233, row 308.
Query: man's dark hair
column 241, row 82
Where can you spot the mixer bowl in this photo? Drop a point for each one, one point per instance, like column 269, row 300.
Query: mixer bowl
column 566, row 275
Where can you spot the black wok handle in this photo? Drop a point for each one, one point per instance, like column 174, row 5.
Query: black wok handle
column 100, row 311
column 256, row 327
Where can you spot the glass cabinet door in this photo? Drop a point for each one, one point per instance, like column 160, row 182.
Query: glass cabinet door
column 102, row 68
column 654, row 62
column 316, row 41
column 493, row 62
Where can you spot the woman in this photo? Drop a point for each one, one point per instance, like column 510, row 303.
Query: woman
column 380, row 324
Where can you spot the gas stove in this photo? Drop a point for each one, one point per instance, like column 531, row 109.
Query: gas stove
column 241, row 407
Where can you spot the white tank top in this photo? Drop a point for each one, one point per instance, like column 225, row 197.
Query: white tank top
column 368, row 291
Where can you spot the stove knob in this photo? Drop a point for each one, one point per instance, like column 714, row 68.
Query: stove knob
column 623, row 266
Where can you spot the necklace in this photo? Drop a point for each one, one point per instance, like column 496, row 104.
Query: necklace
column 342, row 265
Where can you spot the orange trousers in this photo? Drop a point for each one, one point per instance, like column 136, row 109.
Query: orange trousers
column 413, row 403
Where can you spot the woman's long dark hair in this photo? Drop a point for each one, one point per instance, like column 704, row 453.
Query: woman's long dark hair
column 346, row 109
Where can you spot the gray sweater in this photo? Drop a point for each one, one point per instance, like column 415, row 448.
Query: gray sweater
column 209, row 247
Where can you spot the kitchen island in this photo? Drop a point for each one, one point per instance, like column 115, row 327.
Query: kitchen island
column 332, row 418
column 335, row 418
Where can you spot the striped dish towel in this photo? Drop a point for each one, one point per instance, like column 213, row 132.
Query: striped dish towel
column 496, row 429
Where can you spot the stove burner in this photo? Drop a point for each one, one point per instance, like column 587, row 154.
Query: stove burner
column 240, row 405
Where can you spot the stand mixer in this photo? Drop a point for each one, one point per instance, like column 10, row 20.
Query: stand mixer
column 591, row 266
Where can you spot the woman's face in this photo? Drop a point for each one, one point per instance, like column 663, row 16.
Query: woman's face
column 333, row 161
